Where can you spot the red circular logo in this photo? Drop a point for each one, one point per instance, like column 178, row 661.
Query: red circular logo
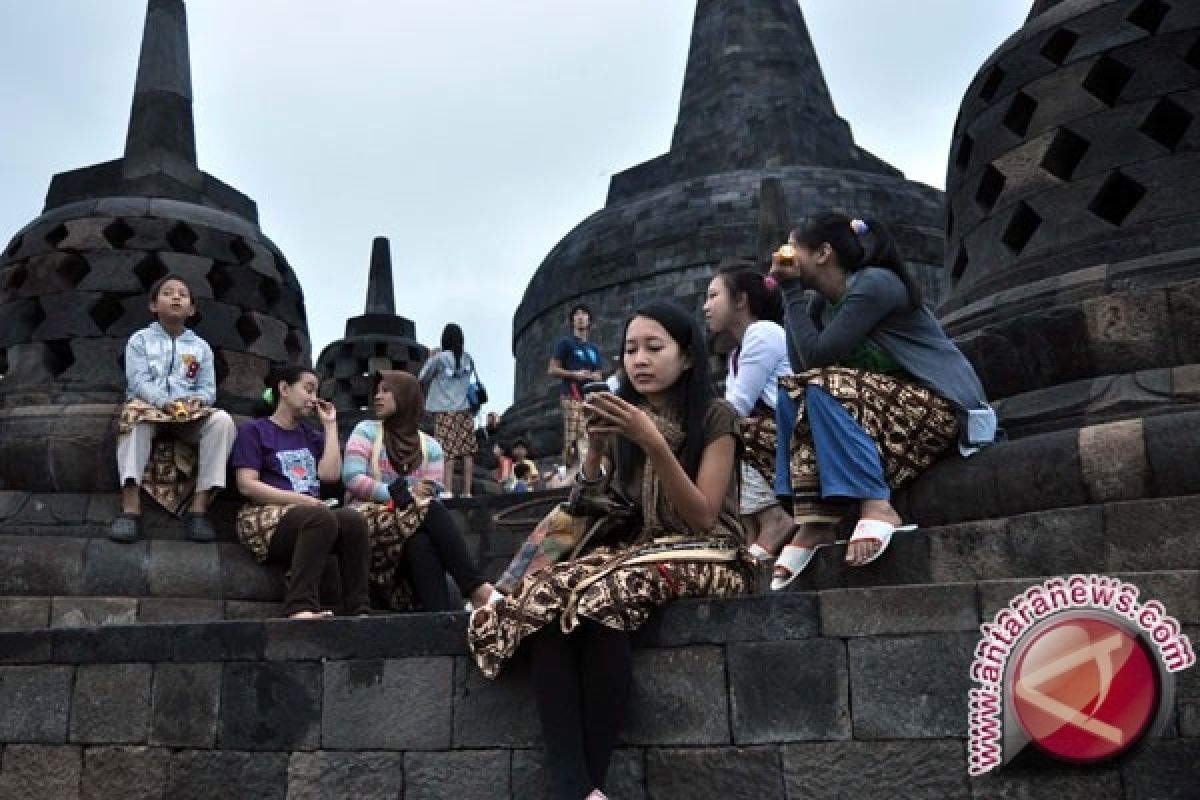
column 1085, row 689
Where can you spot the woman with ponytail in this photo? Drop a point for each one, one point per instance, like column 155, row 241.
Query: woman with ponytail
column 881, row 391
column 746, row 304
column 280, row 463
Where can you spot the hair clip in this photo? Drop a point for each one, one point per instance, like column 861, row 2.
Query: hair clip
column 859, row 227
column 770, row 282
column 268, row 396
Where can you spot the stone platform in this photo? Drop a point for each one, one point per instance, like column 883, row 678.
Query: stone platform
column 786, row 696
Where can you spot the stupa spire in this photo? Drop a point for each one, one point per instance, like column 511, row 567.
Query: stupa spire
column 161, row 130
column 381, row 298
column 754, row 95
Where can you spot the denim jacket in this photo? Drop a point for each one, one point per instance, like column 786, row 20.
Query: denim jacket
column 159, row 367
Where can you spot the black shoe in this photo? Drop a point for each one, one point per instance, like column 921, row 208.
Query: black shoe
column 126, row 528
column 199, row 529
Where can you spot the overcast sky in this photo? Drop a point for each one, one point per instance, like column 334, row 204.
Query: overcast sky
column 474, row 134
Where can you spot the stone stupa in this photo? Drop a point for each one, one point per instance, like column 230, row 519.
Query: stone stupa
column 378, row 339
column 74, row 282
column 757, row 147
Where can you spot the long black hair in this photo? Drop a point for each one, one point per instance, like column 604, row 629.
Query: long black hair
column 279, row 373
column 452, row 341
column 859, row 243
column 765, row 302
column 689, row 398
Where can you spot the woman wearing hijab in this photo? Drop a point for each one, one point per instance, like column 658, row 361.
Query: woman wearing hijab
column 393, row 475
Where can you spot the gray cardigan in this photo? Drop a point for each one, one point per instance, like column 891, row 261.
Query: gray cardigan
column 876, row 307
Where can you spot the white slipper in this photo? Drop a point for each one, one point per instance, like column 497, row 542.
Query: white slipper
column 791, row 562
column 876, row 530
column 759, row 553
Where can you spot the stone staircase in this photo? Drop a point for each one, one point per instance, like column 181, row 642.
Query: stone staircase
column 148, row 670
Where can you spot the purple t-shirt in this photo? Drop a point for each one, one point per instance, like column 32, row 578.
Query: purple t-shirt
column 285, row 459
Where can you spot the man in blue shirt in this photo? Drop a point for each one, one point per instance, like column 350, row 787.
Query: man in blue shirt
column 575, row 362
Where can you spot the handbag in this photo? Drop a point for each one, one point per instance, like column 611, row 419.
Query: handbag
column 569, row 527
column 476, row 392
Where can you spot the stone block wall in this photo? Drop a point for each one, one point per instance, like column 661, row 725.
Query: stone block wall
column 790, row 696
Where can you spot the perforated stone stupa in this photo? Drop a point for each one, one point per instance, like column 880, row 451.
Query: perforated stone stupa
column 378, row 339
column 1072, row 246
column 757, row 147
column 73, row 283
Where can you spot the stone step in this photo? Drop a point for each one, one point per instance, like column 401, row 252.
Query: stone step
column 1136, row 535
column 850, row 692
column 32, row 612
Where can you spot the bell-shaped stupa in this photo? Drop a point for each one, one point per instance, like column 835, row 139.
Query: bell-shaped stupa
column 378, row 339
column 757, row 147
column 74, row 282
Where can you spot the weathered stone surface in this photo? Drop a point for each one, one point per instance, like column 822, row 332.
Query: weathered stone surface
column 626, row 775
column 110, row 568
column 901, row 609
column 183, row 569
column 119, row 643
column 678, row 697
column 465, row 775
column 1151, row 534
column 203, row 775
column 34, row 703
column 131, row 773
column 25, row 647
column 714, row 772
column 362, row 776
column 270, row 706
column 218, row 641
column 733, row 619
column 913, row 687
column 1014, row 477
column 185, row 704
column 1113, row 461
column 24, row 612
column 1171, row 441
column 86, row 612
column 789, row 691
column 1041, row 543
column 34, row 567
column 111, row 703
column 1013, row 783
column 362, row 698
column 933, row 770
column 370, row 637
column 179, row 609
column 40, row 772
column 1168, row 769
column 495, row 713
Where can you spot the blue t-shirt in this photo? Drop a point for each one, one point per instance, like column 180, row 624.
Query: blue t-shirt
column 285, row 459
column 574, row 354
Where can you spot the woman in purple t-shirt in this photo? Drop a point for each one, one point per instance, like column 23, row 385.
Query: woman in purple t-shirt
column 280, row 463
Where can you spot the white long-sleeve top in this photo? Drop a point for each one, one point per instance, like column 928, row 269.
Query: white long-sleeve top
column 756, row 366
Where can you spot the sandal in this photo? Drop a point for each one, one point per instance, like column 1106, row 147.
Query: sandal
column 876, row 530
column 310, row 615
column 791, row 562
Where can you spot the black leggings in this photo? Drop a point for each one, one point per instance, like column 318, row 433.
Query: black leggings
column 306, row 536
column 435, row 549
column 581, row 682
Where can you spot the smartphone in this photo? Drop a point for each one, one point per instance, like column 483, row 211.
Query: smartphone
column 595, row 387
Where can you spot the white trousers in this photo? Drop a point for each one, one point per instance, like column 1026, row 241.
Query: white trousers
column 214, row 436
